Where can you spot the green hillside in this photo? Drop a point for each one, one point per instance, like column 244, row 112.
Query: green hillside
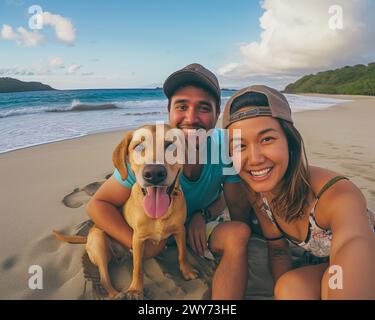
column 359, row 79
column 14, row 85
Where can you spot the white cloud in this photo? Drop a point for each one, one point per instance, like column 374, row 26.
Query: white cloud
column 297, row 38
column 54, row 66
column 29, row 38
column 56, row 62
column 21, row 36
column 42, row 70
column 9, row 72
column 7, row 33
column 227, row 68
column 64, row 28
column 72, row 69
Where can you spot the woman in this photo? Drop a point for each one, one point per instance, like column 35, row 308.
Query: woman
column 317, row 209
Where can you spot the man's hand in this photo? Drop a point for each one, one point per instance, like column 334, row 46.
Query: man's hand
column 217, row 207
column 197, row 233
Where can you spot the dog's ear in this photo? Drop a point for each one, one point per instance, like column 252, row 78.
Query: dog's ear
column 120, row 153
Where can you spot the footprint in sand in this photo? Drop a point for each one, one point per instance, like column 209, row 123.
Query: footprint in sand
column 8, row 263
column 91, row 188
column 76, row 199
column 81, row 196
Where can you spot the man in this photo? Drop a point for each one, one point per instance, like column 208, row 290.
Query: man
column 194, row 98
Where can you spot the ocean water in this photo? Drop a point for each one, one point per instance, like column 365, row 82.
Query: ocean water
column 32, row 118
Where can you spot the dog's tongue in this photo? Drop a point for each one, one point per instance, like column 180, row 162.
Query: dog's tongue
column 156, row 201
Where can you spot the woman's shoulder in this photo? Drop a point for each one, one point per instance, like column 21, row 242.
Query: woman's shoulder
column 320, row 177
column 325, row 182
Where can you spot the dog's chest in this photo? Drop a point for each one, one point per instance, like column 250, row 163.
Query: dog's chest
column 159, row 231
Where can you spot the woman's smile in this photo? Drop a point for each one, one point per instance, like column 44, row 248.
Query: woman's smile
column 260, row 175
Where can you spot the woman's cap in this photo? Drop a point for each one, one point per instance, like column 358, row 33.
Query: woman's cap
column 277, row 106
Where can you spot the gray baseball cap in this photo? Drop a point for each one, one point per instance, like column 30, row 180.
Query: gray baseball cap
column 278, row 106
column 194, row 73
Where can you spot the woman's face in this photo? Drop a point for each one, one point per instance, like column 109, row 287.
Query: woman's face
column 261, row 153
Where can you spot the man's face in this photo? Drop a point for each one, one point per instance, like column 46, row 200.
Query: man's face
column 192, row 108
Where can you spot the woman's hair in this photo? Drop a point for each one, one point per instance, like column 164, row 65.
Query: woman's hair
column 295, row 186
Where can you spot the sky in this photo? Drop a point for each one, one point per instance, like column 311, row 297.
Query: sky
column 138, row 43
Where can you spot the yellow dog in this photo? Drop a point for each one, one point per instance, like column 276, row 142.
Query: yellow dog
column 155, row 209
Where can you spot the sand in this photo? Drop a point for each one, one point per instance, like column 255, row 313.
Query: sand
column 46, row 187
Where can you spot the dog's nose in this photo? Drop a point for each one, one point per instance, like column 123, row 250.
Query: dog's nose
column 154, row 173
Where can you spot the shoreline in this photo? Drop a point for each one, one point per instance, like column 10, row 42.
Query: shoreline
column 68, row 139
column 111, row 131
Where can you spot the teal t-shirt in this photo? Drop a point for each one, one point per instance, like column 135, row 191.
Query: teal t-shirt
column 201, row 193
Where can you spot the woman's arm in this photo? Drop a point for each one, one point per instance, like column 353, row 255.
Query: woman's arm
column 353, row 244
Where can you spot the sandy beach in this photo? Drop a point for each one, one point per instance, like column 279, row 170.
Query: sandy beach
column 46, row 187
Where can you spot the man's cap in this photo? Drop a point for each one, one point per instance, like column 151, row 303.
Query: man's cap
column 194, row 74
column 278, row 106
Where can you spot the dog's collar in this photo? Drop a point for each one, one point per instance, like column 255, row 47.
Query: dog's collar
column 172, row 189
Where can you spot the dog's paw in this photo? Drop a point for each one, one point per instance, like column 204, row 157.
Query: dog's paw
column 114, row 295
column 134, row 295
column 119, row 296
column 189, row 273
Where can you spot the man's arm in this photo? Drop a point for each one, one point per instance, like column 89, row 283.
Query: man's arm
column 103, row 210
column 237, row 202
column 196, row 230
